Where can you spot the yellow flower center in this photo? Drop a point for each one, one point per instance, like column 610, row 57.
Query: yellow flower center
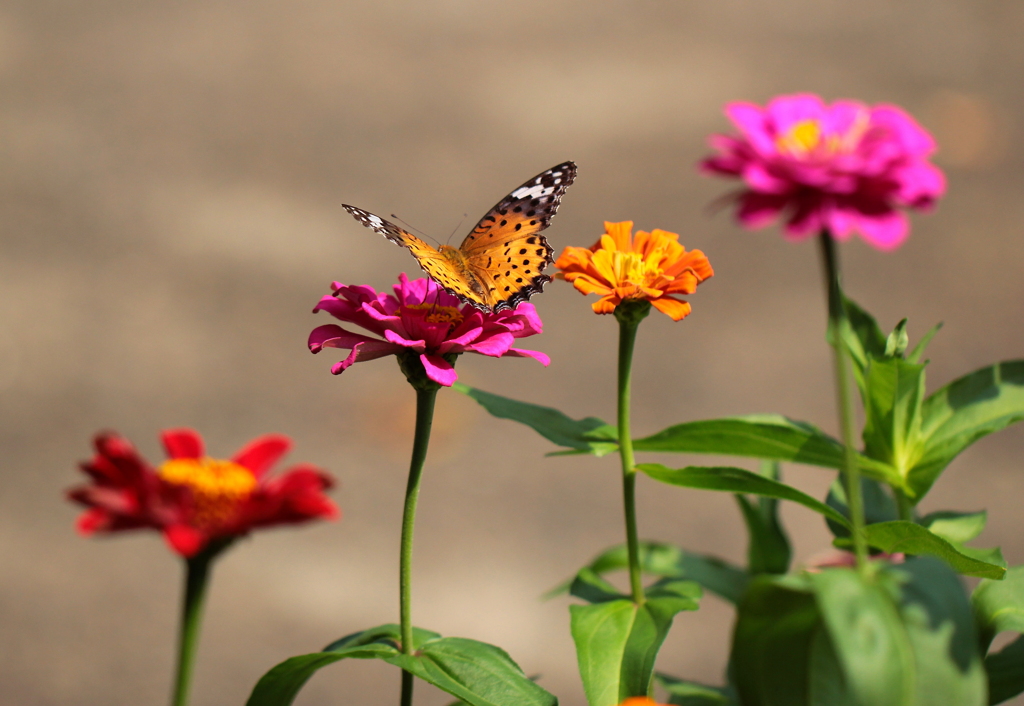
column 631, row 267
column 806, row 139
column 217, row 487
column 438, row 314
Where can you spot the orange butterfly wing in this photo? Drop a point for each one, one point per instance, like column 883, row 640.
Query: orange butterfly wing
column 504, row 256
column 433, row 263
column 505, row 251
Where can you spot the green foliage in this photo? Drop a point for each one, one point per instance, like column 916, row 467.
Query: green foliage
column 668, row 561
column 912, row 538
column 690, row 693
column 879, row 505
column 617, row 640
column 736, row 480
column 590, row 434
column 999, row 605
column 474, row 672
column 1005, row 671
column 902, row 637
column 768, row 548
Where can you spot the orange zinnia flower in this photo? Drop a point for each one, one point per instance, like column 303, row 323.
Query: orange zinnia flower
column 639, row 701
column 650, row 267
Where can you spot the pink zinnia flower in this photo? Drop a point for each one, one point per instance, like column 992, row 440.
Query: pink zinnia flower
column 843, row 167
column 423, row 318
column 194, row 499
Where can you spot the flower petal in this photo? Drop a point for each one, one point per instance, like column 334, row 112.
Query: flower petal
column 185, row 540
column 263, row 452
column 536, row 355
column 182, row 443
column 439, row 370
column 677, row 310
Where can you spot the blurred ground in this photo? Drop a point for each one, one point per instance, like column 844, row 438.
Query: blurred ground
column 171, row 177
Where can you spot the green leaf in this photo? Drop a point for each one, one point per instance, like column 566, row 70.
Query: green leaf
column 955, row 527
column 590, row 434
column 879, row 505
column 682, row 692
column 1005, row 671
column 912, row 538
column 863, row 339
column 477, row 673
column 892, row 426
column 915, row 355
column 768, row 549
column 766, row 436
column 736, row 480
column 776, row 626
column 618, row 641
column 864, row 626
column 967, row 409
column 666, row 560
column 999, row 605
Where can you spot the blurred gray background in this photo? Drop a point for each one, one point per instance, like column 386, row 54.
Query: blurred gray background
column 171, row 177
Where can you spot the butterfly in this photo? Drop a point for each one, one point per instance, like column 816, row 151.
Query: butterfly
column 500, row 264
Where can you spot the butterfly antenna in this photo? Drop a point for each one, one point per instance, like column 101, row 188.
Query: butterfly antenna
column 456, row 229
column 411, row 227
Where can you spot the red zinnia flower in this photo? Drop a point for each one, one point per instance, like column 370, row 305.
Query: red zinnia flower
column 194, row 499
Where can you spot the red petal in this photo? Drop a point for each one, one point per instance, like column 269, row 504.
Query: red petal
column 182, row 443
column 185, row 540
column 262, row 453
column 92, row 521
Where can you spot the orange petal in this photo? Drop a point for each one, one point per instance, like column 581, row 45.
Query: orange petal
column 621, row 234
column 606, row 305
column 675, row 309
column 589, row 285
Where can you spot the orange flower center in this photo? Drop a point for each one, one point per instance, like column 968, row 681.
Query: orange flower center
column 633, row 269
column 435, row 314
column 217, row 486
column 807, row 139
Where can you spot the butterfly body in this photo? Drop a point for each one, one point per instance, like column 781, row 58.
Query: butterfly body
column 501, row 262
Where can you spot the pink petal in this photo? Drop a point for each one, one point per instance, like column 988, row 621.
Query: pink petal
column 362, row 352
column 757, row 210
column 394, row 338
column 439, row 370
column 750, row 119
column 334, row 336
column 262, row 453
column 785, row 111
column 523, row 353
column 884, row 231
column 182, row 443
column 496, row 345
column 759, row 178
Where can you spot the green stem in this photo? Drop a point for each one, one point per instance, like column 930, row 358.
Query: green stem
column 903, row 505
column 197, row 575
column 424, row 418
column 628, row 326
column 851, row 471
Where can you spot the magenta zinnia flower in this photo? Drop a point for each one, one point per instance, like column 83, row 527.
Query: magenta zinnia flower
column 423, row 318
column 844, row 167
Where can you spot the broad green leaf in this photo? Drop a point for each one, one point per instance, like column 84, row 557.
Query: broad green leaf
column 863, row 624
column 618, row 641
column 736, row 480
column 955, row 527
column 892, row 426
column 768, row 549
column 879, row 505
column 766, row 436
column 912, row 538
column 957, row 415
column 474, row 672
column 682, row 692
column 776, row 627
column 665, row 560
column 590, row 434
column 1005, row 671
column 937, row 618
column 999, row 605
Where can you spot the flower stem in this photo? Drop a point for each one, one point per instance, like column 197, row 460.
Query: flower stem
column 424, row 418
column 628, row 325
column 197, row 575
column 844, row 401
